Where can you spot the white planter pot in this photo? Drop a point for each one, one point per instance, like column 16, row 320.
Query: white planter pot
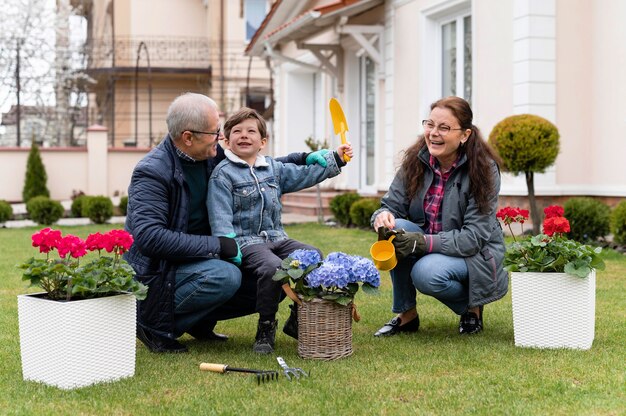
column 78, row 343
column 553, row 310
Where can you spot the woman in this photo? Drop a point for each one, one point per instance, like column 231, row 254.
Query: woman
column 441, row 206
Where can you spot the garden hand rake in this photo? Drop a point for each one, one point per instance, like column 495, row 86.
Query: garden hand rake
column 261, row 375
column 291, row 371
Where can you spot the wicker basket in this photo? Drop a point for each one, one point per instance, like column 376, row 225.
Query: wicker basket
column 324, row 330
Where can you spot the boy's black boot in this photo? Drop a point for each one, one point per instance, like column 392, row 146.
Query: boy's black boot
column 265, row 335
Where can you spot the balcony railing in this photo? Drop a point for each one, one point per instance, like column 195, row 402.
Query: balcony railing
column 164, row 52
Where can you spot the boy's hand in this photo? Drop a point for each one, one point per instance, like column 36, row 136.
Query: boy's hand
column 317, row 157
column 345, row 149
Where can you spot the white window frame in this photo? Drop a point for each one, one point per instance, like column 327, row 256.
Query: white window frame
column 432, row 19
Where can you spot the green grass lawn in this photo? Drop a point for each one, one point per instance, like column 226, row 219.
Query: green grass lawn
column 434, row 371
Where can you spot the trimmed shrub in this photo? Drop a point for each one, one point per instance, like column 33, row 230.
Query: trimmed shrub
column 361, row 211
column 618, row 223
column 6, row 212
column 123, row 206
column 527, row 144
column 78, row 206
column 98, row 208
column 36, row 177
column 588, row 218
column 340, row 207
column 43, row 210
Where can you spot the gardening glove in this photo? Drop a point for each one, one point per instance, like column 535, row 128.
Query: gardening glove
column 409, row 244
column 384, row 233
column 317, row 157
column 229, row 249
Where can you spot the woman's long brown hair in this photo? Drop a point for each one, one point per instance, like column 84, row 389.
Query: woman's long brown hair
column 479, row 156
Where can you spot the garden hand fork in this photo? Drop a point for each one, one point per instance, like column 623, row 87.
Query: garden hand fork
column 291, row 371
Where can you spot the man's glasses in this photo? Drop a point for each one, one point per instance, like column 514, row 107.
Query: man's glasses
column 215, row 133
column 442, row 128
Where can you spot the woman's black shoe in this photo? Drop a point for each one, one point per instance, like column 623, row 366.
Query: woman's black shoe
column 470, row 323
column 395, row 326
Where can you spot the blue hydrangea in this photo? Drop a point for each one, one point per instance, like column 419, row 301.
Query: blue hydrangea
column 306, row 257
column 329, row 275
column 364, row 270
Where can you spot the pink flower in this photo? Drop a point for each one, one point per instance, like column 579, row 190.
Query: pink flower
column 510, row 215
column 95, row 242
column 46, row 239
column 72, row 245
column 118, row 240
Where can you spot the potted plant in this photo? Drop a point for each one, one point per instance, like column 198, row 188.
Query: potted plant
column 552, row 283
column 81, row 329
column 324, row 291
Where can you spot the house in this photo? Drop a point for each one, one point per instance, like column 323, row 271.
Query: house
column 144, row 53
column 387, row 60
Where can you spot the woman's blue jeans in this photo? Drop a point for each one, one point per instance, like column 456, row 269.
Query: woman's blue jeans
column 443, row 277
column 202, row 287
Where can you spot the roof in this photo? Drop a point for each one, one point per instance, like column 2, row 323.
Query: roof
column 304, row 24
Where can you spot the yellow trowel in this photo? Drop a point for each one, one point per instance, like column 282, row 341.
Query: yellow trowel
column 339, row 122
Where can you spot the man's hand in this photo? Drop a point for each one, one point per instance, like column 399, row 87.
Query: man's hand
column 409, row 244
column 229, row 249
column 317, row 157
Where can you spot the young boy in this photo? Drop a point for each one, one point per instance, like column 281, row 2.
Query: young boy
column 244, row 202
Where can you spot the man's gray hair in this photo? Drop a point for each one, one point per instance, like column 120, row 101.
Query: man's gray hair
column 188, row 112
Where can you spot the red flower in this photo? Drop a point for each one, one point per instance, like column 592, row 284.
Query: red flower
column 73, row 245
column 95, row 242
column 555, row 225
column 46, row 239
column 509, row 215
column 553, row 211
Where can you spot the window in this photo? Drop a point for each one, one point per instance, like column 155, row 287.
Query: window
column 456, row 57
column 368, row 120
column 254, row 12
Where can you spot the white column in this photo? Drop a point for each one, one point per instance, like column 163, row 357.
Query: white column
column 534, row 56
column 97, row 161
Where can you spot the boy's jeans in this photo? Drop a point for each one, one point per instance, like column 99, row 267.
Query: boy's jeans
column 443, row 277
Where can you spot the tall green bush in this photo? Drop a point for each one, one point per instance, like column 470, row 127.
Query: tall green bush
column 618, row 223
column 588, row 218
column 36, row 177
column 361, row 211
column 78, row 206
column 527, row 144
column 98, row 208
column 123, row 206
column 340, row 207
column 6, row 212
column 43, row 210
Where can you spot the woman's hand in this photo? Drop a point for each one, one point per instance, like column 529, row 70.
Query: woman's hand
column 385, row 219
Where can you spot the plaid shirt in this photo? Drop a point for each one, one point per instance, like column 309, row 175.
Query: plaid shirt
column 434, row 197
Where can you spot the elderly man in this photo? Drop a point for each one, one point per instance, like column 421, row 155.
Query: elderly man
column 192, row 280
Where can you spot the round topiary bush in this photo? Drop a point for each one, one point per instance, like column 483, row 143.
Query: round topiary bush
column 98, row 209
column 340, row 206
column 78, row 206
column 123, row 206
column 618, row 223
column 43, row 210
column 588, row 218
column 527, row 144
column 361, row 211
column 6, row 212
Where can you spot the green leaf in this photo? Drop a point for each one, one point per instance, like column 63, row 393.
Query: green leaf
column 295, row 274
column 280, row 275
column 344, row 300
column 369, row 289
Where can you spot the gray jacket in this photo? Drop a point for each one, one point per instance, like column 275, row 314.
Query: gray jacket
column 466, row 232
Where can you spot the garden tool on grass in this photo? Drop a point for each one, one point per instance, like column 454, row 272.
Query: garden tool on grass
column 261, row 375
column 291, row 371
column 340, row 124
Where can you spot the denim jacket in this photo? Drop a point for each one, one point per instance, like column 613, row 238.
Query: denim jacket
column 245, row 200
